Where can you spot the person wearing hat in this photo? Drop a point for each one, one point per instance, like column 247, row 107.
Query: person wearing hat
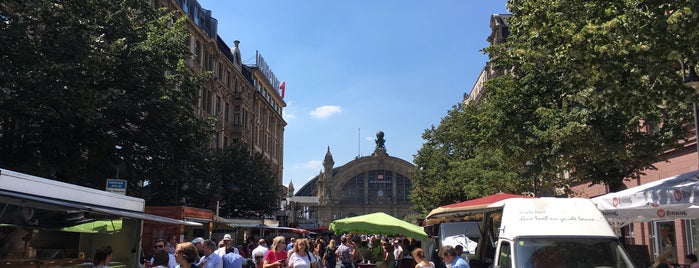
column 227, row 242
column 198, row 243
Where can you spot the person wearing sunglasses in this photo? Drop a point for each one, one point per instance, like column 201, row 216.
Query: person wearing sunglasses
column 259, row 260
column 160, row 244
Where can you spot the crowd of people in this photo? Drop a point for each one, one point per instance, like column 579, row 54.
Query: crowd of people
column 347, row 251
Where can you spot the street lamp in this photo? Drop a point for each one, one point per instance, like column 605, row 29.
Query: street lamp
column 690, row 79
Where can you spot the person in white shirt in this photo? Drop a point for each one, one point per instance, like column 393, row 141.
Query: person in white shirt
column 301, row 257
column 398, row 251
column 227, row 241
column 260, row 250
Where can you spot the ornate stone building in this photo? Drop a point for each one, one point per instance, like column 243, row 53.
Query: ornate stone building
column 247, row 99
column 499, row 32
column 375, row 183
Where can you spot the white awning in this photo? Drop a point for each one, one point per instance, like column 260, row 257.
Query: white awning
column 74, row 212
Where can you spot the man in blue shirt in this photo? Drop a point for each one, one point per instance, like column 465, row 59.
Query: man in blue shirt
column 210, row 259
column 232, row 259
column 291, row 244
column 448, row 254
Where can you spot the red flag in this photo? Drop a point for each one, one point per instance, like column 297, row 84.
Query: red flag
column 283, row 87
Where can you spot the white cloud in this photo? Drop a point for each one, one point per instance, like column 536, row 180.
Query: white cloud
column 325, row 111
column 287, row 116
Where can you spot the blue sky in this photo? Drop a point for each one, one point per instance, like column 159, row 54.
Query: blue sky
column 355, row 67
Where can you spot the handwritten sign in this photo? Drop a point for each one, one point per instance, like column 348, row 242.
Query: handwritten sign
column 544, row 216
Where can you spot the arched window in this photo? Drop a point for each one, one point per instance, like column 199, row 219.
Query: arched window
column 403, row 187
column 353, row 192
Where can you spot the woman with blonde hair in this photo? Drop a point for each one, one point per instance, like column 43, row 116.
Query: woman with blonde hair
column 301, row 257
column 330, row 259
column 186, row 254
column 276, row 255
column 419, row 257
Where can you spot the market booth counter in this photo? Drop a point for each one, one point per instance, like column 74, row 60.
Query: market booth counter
column 46, row 223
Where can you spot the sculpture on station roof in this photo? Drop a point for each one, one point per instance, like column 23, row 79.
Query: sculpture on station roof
column 380, row 141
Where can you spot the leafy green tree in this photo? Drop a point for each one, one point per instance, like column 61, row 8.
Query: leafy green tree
column 95, row 90
column 588, row 78
column 452, row 167
column 244, row 181
column 592, row 93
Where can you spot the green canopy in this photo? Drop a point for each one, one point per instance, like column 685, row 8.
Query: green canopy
column 377, row 223
column 102, row 226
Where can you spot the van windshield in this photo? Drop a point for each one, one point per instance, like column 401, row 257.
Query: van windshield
column 570, row 252
column 464, row 233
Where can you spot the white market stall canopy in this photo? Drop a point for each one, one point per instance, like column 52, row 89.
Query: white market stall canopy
column 33, row 201
column 676, row 197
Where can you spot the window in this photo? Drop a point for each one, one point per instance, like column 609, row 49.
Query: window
column 380, row 185
column 403, row 187
column 226, row 111
column 569, row 252
column 197, row 52
column 353, row 192
column 505, row 260
column 218, row 105
column 206, row 100
column 188, row 43
column 209, row 62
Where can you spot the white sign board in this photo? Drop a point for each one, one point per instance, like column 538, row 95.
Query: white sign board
column 116, row 186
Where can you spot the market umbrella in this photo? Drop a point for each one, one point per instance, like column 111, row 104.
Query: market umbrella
column 377, row 223
column 675, row 197
column 680, row 189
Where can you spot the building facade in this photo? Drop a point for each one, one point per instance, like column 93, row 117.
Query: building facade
column 246, row 99
column 367, row 184
column 499, row 33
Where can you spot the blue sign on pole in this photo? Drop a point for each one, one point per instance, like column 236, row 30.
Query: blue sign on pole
column 116, row 186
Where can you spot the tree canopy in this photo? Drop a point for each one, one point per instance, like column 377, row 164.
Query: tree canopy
column 93, row 90
column 592, row 93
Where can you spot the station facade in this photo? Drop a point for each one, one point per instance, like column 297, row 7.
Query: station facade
column 367, row 184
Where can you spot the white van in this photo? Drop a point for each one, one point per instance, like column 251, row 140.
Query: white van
column 550, row 233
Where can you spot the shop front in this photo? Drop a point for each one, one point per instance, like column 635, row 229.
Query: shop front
column 46, row 223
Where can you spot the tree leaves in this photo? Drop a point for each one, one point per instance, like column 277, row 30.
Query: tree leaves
column 579, row 101
column 98, row 89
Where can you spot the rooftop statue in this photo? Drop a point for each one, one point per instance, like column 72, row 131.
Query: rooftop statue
column 380, row 142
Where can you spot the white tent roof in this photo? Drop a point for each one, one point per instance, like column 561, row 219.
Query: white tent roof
column 676, row 197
